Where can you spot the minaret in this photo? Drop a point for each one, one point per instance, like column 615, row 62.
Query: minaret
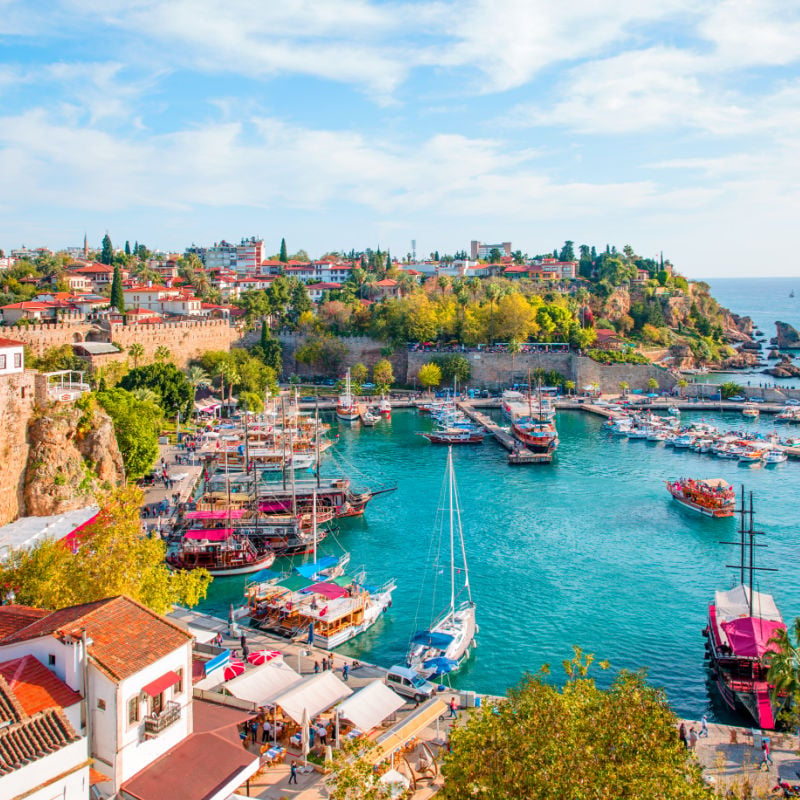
column 85, row 247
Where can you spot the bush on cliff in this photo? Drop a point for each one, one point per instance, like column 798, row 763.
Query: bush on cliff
column 168, row 382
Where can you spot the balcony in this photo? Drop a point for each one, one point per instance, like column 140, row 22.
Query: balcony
column 156, row 725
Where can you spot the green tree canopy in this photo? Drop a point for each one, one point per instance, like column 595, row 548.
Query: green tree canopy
column 578, row 742
column 114, row 558
column 383, row 375
column 429, row 375
column 117, row 295
column 107, row 251
column 284, row 256
column 168, row 382
column 454, row 366
column 270, row 349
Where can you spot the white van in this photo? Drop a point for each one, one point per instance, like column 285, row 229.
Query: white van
column 410, row 683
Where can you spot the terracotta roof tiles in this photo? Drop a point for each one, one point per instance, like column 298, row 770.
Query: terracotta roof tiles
column 36, row 687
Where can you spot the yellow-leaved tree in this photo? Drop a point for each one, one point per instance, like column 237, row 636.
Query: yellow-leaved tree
column 114, row 557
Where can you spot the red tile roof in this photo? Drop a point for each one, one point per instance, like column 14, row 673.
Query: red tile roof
column 126, row 636
column 11, row 343
column 387, row 282
column 36, row 687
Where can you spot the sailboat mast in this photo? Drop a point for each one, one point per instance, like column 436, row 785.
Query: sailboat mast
column 317, row 434
column 741, row 538
column 291, row 473
column 752, row 548
column 452, row 556
column 314, row 523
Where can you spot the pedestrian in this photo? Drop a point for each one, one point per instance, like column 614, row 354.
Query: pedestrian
column 316, row 667
column 345, row 671
column 453, row 707
column 692, row 738
column 245, row 651
column 322, row 735
column 293, row 772
column 682, row 735
column 243, row 639
column 704, row 726
column 254, row 729
column 324, row 663
column 267, row 732
column 766, row 758
column 243, row 735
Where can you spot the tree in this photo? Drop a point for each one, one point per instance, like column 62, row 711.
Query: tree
column 567, row 252
column 495, row 255
column 623, row 387
column 250, row 401
column 137, row 424
column 358, row 374
column 569, row 387
column 353, row 775
column 493, row 291
column 730, row 389
column 162, row 353
column 784, row 668
column 682, row 384
column 117, row 295
column 107, row 251
column 127, row 248
column 114, row 558
column 513, row 348
column 168, row 382
column 652, row 384
column 515, row 319
column 578, row 741
column 197, row 377
column 284, row 258
column 383, row 375
column 429, row 375
column 136, row 351
column 454, row 367
column 270, row 349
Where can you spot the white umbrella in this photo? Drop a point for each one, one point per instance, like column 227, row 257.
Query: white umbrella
column 304, row 735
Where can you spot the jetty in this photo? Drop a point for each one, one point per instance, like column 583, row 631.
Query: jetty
column 517, row 454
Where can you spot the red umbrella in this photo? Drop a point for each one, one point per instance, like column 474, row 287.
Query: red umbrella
column 262, row 656
column 233, row 669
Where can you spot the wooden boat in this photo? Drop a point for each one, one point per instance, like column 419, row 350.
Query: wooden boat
column 385, row 407
column 368, row 418
column 750, row 410
column 222, row 551
column 347, row 409
column 446, row 643
column 536, row 432
column 713, row 497
column 454, row 436
column 741, row 623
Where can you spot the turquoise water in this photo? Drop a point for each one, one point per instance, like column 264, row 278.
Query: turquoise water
column 589, row 551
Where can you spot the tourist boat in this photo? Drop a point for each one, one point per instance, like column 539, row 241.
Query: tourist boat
column 637, row 433
column 368, row 418
column 385, row 407
column 750, row 410
column 741, row 625
column 445, row 644
column 713, row 497
column 508, row 400
column 775, row 457
column 751, row 456
column 222, row 551
column 454, row 436
column 347, row 408
column 674, row 411
column 683, row 441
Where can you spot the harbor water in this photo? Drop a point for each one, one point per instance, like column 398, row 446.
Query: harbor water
column 588, row 551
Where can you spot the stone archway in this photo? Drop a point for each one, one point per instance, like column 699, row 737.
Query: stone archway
column 77, row 337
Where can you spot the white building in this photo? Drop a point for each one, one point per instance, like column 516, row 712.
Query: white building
column 165, row 300
column 12, row 357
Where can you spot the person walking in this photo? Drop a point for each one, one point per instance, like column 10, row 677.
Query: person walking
column 243, row 640
column 766, row 758
column 266, row 732
column 704, row 727
column 692, row 738
column 682, row 735
column 293, row 772
column 316, row 667
column 254, row 730
column 345, row 672
column 453, row 707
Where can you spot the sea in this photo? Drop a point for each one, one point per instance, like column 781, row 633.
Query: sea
column 587, row 552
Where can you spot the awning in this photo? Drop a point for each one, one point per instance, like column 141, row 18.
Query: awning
column 750, row 636
column 313, row 696
column 208, row 534
column 432, row 639
column 370, row 706
column 329, row 590
column 95, row 777
column 313, row 568
column 262, row 685
column 233, row 513
column 156, row 687
column 412, row 726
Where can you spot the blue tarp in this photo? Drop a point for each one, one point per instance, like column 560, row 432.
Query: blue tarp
column 311, row 569
column 441, row 665
column 432, row 639
column 218, row 661
column 264, row 575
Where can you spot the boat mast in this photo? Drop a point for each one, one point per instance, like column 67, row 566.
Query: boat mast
column 314, row 523
column 291, row 474
column 452, row 555
column 530, row 409
column 317, row 434
column 283, row 442
column 461, row 538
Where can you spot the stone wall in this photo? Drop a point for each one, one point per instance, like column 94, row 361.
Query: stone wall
column 16, row 408
column 42, row 337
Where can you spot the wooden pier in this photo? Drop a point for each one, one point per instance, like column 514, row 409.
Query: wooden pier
column 517, row 454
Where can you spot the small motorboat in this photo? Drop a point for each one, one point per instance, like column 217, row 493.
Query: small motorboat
column 775, row 457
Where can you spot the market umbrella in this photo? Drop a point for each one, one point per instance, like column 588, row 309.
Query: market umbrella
column 441, row 664
column 259, row 657
column 233, row 670
column 305, row 734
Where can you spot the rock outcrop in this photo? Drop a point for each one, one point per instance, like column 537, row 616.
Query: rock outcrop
column 788, row 338
column 73, row 461
column 742, row 359
column 617, row 304
column 784, row 369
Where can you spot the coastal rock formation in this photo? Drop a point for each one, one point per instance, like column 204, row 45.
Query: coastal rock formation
column 73, row 460
column 682, row 356
column 676, row 311
column 773, row 353
column 788, row 338
column 742, row 359
column 784, row 369
column 617, row 304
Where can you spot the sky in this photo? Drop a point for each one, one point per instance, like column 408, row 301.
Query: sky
column 669, row 125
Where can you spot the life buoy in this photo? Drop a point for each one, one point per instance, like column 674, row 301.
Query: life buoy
column 65, row 396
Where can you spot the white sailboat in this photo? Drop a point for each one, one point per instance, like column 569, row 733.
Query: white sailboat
column 346, row 408
column 445, row 645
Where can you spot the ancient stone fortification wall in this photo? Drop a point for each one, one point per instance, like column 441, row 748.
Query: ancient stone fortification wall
column 185, row 340
column 16, row 409
column 360, row 349
column 42, row 337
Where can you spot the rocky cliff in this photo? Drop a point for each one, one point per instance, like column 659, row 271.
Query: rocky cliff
column 73, row 460
column 788, row 338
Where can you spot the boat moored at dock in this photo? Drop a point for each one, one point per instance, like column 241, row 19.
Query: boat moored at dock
column 712, row 497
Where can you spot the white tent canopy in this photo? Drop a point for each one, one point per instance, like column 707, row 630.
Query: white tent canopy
column 29, row 531
column 313, row 696
column 263, row 684
column 370, row 706
column 734, row 604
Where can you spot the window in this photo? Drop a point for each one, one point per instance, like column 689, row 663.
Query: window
column 2, row 362
column 179, row 685
column 101, row 704
column 51, row 660
column 133, row 710
column 17, row 360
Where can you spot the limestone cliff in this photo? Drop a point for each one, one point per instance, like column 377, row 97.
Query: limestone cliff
column 616, row 304
column 73, row 460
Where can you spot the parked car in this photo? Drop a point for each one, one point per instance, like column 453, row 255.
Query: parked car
column 410, row 683
column 737, row 398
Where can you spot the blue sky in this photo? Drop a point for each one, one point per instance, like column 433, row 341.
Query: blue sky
column 670, row 125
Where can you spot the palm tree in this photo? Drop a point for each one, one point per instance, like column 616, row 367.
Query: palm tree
column 444, row 283
column 652, row 384
column 162, row 353
column 624, row 386
column 474, row 286
column 493, row 291
column 784, row 663
column 136, row 351
column 513, row 347
column 197, row 377
column 569, row 386
column 682, row 384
